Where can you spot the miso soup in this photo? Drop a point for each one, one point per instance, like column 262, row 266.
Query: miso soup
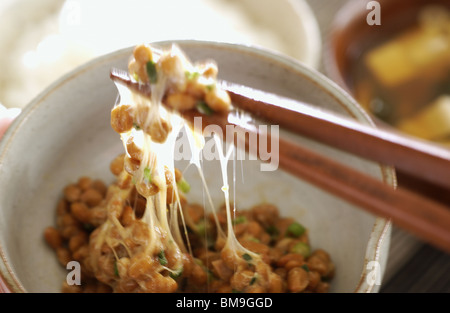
column 403, row 77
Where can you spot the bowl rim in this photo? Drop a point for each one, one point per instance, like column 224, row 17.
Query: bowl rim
column 312, row 32
column 347, row 15
column 9, row 282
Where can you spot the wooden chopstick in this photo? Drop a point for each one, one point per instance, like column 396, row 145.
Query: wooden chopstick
column 424, row 217
column 412, row 156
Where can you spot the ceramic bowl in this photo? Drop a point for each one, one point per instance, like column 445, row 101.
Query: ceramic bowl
column 65, row 133
column 351, row 35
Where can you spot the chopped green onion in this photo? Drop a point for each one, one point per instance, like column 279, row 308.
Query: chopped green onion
column 210, row 87
column 177, row 273
column 210, row 275
column 162, row 258
column 135, row 76
column 184, row 185
column 192, row 75
column 301, row 248
column 203, row 108
column 295, row 230
column 147, row 175
column 116, row 269
column 253, row 239
column 236, row 291
column 239, row 220
column 247, row 257
column 151, row 72
column 201, row 228
column 88, row 227
column 305, row 267
column 136, row 126
column 272, row 231
column 253, row 280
